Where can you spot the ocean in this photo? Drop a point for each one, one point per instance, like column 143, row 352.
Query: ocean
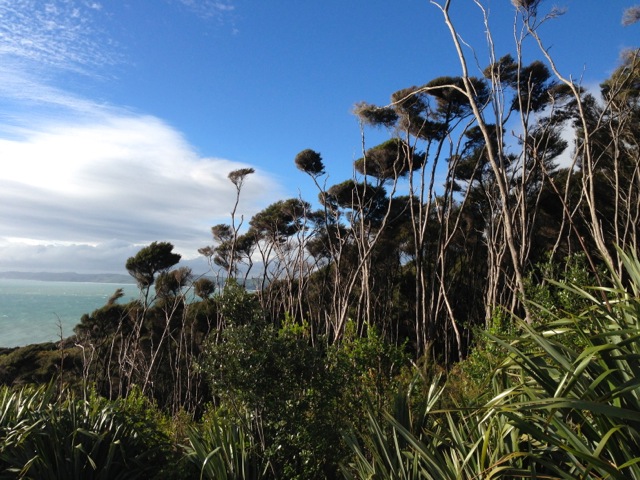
column 35, row 311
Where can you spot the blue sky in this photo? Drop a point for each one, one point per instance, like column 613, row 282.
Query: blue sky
column 120, row 120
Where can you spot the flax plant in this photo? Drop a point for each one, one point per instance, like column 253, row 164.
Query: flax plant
column 564, row 404
column 580, row 397
column 222, row 450
column 44, row 435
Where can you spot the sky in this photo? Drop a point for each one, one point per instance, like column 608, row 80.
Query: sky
column 121, row 119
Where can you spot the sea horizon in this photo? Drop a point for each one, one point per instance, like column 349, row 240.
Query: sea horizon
column 68, row 276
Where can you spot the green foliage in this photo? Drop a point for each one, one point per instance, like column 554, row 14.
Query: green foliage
column 450, row 97
column 310, row 162
column 361, row 198
column 224, row 450
column 169, row 284
column 294, row 397
column 104, row 321
column 44, row 436
column 552, row 411
column 371, row 364
column 154, row 258
column 280, row 219
column 546, row 286
column 468, row 380
column 237, row 306
column 204, row 287
column 279, row 377
column 40, row 364
column 374, row 115
column 390, row 160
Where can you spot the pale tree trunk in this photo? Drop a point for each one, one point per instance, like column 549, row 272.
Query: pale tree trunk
column 496, row 160
column 587, row 154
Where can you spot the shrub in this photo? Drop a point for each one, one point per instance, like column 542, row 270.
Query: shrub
column 281, row 382
column 557, row 407
column 294, row 397
column 46, row 436
column 222, row 449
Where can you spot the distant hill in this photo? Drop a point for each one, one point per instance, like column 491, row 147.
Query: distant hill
column 69, row 277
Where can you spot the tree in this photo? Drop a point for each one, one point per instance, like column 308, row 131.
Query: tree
column 389, row 160
column 150, row 260
column 310, row 162
column 169, row 284
column 226, row 253
column 204, row 288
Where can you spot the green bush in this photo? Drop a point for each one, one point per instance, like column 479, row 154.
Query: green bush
column 545, row 287
column 281, row 382
column 224, row 450
column 46, row 436
column 294, row 397
column 40, row 364
column 564, row 403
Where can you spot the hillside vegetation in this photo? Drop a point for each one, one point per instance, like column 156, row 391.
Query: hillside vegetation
column 400, row 327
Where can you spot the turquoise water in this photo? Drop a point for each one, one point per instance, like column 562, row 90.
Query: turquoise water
column 33, row 311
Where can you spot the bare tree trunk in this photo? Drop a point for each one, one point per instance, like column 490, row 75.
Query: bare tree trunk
column 496, row 159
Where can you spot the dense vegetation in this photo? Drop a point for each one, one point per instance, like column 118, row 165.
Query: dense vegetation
column 484, row 328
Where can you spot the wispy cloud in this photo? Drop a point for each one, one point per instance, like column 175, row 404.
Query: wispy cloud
column 43, row 40
column 21, row 89
column 209, row 8
column 58, row 34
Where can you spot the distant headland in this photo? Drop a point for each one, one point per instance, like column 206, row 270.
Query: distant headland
column 69, row 277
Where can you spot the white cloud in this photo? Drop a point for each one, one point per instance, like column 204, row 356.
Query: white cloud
column 24, row 255
column 87, row 193
column 134, row 179
column 107, row 257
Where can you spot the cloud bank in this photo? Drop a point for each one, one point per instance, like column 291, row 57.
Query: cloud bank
column 124, row 179
column 84, row 185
